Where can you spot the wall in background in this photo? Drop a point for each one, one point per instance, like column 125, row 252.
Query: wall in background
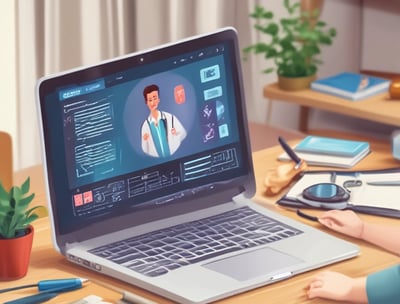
column 379, row 49
column 8, row 120
column 380, row 43
column 343, row 54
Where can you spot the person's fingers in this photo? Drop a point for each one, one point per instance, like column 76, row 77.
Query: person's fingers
column 316, row 284
column 316, row 281
column 317, row 293
column 333, row 219
column 328, row 284
column 328, row 222
column 315, row 289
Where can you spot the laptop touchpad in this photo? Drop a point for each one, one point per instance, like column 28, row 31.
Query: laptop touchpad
column 252, row 264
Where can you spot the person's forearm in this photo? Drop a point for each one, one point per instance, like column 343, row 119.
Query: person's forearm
column 387, row 237
column 358, row 293
column 383, row 286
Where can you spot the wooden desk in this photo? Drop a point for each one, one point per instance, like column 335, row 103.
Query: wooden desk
column 378, row 108
column 46, row 263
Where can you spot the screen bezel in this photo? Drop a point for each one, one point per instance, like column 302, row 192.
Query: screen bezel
column 221, row 194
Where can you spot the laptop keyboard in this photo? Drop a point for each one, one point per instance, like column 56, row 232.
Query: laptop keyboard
column 158, row 252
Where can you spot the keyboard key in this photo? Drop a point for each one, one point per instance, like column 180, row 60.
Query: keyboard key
column 156, row 253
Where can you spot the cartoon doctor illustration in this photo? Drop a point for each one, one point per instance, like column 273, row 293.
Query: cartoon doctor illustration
column 162, row 132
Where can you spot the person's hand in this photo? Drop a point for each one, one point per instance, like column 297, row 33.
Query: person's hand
column 337, row 286
column 346, row 222
column 173, row 131
column 145, row 136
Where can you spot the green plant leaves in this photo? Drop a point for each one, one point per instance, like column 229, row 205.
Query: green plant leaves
column 269, row 70
column 271, row 29
column 294, row 41
column 14, row 212
column 260, row 13
column 25, row 201
column 271, row 53
column 4, row 195
column 291, row 8
column 25, row 186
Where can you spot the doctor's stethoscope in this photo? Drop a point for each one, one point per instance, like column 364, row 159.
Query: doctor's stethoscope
column 327, row 196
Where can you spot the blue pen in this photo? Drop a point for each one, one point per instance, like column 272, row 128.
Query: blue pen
column 34, row 299
column 289, row 151
column 58, row 284
column 61, row 284
column 49, row 289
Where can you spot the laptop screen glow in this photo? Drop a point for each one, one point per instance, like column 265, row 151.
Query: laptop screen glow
column 142, row 131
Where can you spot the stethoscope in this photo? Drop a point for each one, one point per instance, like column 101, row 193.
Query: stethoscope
column 328, row 195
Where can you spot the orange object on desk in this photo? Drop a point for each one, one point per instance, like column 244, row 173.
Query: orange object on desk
column 281, row 176
column 394, row 89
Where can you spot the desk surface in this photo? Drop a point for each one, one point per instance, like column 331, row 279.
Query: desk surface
column 46, row 263
column 378, row 108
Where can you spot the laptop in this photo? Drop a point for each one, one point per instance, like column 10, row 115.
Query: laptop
column 150, row 176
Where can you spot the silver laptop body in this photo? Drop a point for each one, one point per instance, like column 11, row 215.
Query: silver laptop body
column 123, row 162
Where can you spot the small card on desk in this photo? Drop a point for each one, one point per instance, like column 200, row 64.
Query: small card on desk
column 331, row 152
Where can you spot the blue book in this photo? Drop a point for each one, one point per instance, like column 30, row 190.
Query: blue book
column 351, row 86
column 332, row 146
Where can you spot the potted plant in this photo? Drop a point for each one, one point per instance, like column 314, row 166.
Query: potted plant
column 293, row 43
column 16, row 231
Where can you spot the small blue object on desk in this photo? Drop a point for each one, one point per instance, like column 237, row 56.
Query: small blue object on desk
column 352, row 86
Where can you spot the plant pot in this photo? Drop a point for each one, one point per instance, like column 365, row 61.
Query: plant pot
column 15, row 255
column 295, row 83
column 312, row 6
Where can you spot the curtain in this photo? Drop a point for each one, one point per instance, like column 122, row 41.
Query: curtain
column 56, row 35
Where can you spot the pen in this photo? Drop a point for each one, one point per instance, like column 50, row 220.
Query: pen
column 135, row 299
column 127, row 297
column 61, row 284
column 289, row 151
column 50, row 289
column 58, row 284
column 384, row 183
column 34, row 299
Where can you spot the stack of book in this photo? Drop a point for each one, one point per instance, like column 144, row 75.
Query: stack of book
column 330, row 152
column 352, row 86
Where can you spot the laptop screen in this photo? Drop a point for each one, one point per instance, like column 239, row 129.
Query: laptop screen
column 144, row 131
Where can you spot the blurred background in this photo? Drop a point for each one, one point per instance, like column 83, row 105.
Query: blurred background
column 41, row 37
